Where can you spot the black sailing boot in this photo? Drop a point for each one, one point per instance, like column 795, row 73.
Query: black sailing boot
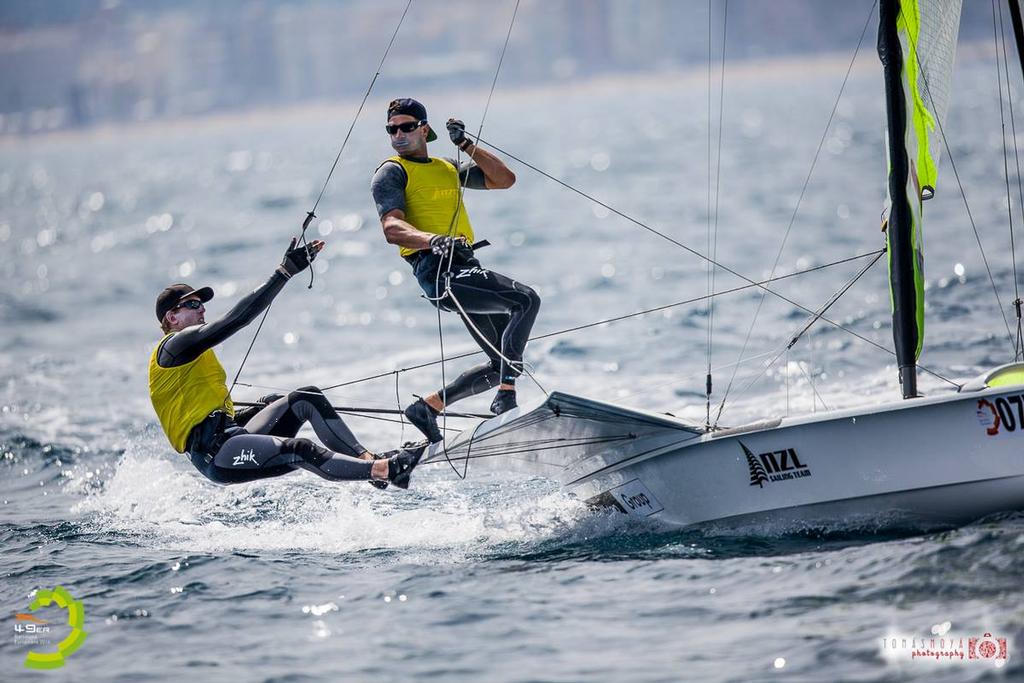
column 424, row 418
column 504, row 401
column 401, row 466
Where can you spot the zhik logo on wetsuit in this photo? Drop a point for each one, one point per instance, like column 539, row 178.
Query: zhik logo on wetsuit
column 246, row 456
column 467, row 272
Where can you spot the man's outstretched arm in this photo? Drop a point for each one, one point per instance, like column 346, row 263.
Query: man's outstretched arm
column 187, row 345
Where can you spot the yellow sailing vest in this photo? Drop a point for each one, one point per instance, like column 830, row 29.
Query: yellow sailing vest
column 432, row 199
column 184, row 395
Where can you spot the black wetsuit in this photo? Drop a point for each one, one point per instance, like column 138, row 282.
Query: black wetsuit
column 261, row 442
column 500, row 308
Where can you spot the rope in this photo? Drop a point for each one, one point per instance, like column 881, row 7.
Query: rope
column 311, row 214
column 446, row 267
column 401, row 412
column 362, row 409
column 522, row 365
column 366, row 96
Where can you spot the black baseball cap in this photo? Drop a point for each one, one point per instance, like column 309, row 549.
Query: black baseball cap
column 410, row 107
column 172, row 296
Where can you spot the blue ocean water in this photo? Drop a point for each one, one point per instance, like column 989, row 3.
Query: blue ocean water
column 495, row 578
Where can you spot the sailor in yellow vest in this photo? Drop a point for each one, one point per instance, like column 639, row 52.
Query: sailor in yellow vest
column 420, row 208
column 187, row 386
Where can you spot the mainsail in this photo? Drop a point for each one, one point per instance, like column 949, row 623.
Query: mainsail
column 917, row 46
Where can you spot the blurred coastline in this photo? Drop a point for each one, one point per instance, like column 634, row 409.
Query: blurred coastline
column 84, row 63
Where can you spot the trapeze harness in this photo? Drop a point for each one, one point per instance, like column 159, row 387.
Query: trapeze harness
column 187, row 385
column 502, row 309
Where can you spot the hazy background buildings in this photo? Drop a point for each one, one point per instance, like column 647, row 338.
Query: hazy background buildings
column 75, row 63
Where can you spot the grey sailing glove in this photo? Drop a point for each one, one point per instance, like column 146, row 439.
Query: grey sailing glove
column 457, row 132
column 442, row 244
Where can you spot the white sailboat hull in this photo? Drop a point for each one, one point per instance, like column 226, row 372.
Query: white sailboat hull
column 933, row 462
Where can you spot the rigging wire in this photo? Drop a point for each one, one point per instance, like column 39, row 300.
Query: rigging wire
column 607, row 321
column 631, row 219
column 311, row 214
column 676, row 242
column 446, row 267
column 1019, row 341
column 713, row 234
column 598, row 323
column 799, row 201
column 803, row 330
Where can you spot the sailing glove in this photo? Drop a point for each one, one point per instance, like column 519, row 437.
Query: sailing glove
column 297, row 259
column 442, row 244
column 457, row 132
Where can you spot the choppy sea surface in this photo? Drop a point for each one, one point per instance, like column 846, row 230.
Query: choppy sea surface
column 495, row 578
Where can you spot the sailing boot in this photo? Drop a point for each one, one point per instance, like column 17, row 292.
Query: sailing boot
column 504, row 401
column 401, row 466
column 424, row 418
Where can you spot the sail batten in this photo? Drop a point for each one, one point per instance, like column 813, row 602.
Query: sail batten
column 917, row 47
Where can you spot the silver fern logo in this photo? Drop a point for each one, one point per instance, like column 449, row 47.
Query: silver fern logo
column 774, row 466
column 758, row 476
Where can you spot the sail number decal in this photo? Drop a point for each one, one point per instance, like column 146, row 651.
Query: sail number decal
column 1004, row 414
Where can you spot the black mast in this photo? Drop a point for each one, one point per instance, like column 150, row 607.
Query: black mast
column 900, row 230
column 1018, row 29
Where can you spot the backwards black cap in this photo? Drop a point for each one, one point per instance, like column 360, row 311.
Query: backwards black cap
column 410, row 107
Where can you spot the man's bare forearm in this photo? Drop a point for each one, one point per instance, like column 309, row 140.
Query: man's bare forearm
column 399, row 231
column 497, row 176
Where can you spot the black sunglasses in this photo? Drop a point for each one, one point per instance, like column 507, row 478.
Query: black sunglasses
column 194, row 304
column 407, row 127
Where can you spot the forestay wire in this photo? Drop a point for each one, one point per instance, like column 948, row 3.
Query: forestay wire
column 311, row 214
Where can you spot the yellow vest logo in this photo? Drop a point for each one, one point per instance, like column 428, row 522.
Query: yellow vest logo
column 31, row 629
